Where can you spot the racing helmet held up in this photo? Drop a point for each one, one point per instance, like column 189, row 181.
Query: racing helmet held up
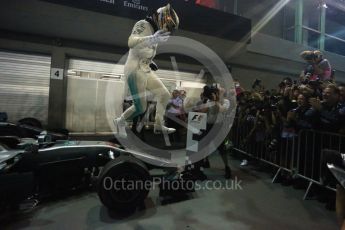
column 167, row 19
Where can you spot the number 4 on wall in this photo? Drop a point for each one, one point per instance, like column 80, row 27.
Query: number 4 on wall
column 56, row 73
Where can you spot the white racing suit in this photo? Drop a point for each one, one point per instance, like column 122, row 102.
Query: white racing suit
column 139, row 75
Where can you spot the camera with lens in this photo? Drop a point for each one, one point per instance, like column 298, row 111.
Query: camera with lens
column 312, row 82
column 274, row 103
column 271, row 103
column 274, row 107
column 209, row 90
column 296, row 110
column 275, row 99
column 309, row 70
column 282, row 84
column 287, row 82
column 315, row 83
column 256, row 83
column 310, row 56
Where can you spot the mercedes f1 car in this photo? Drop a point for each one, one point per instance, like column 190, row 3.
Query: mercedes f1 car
column 36, row 168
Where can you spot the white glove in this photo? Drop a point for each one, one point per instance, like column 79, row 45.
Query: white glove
column 160, row 36
column 142, row 42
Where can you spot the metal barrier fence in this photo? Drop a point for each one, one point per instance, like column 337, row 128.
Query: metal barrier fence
column 299, row 154
column 311, row 146
column 258, row 144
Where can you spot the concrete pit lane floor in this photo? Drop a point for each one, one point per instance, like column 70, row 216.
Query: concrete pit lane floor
column 258, row 205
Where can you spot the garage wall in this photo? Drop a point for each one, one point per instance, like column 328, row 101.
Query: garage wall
column 281, row 55
column 87, row 103
column 247, row 77
column 24, row 85
column 62, row 32
column 61, row 25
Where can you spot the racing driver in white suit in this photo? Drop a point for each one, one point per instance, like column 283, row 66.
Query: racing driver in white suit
column 139, row 67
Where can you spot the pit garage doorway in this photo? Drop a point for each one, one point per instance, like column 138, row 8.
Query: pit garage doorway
column 24, row 85
column 86, row 88
column 86, row 91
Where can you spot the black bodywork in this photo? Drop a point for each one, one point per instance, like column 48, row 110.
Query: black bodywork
column 14, row 186
column 37, row 170
column 27, row 131
column 62, row 161
column 36, row 164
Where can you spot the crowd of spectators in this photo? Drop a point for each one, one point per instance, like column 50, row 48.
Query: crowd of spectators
column 314, row 101
column 293, row 107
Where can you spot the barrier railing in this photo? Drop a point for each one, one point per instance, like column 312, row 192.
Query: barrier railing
column 311, row 144
column 299, row 154
column 258, row 144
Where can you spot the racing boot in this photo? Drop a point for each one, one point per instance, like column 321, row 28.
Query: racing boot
column 159, row 129
column 120, row 126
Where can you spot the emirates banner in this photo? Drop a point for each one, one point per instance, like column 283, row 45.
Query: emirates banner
column 193, row 17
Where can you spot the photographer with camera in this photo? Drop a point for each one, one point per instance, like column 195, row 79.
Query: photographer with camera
column 318, row 67
column 286, row 82
column 257, row 86
column 327, row 110
column 263, row 123
column 287, row 100
column 301, row 117
column 216, row 106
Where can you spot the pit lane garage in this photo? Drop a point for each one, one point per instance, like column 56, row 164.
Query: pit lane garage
column 63, row 81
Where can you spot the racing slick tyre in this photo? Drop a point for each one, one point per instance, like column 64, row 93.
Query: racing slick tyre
column 122, row 185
